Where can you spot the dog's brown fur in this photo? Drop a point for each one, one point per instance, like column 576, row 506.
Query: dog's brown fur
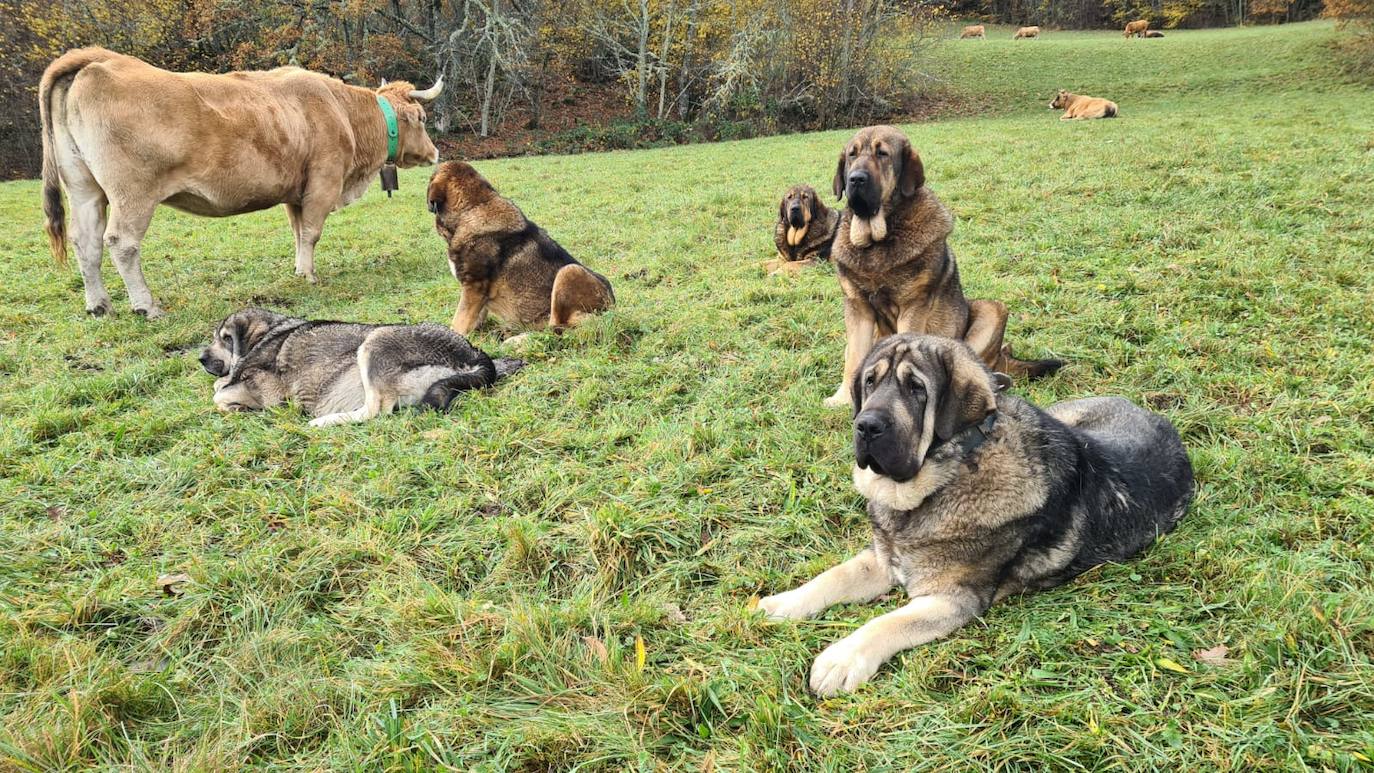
column 1026, row 32
column 896, row 269
column 799, row 247
column 1078, row 106
column 506, row 264
column 1137, row 28
column 973, row 31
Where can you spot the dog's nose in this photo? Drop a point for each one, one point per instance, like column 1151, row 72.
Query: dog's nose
column 858, row 177
column 870, row 426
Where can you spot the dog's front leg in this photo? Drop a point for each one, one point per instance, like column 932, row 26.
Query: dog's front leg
column 472, row 308
column 851, row 661
column 859, row 326
column 861, row 578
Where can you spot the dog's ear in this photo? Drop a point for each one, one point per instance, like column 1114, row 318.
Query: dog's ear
column 841, row 172
column 782, row 208
column 438, row 193
column 968, row 396
column 913, row 172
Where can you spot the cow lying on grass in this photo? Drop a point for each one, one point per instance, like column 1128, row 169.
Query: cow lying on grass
column 124, row 136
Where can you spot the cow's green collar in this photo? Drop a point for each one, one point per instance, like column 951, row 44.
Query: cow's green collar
column 392, row 132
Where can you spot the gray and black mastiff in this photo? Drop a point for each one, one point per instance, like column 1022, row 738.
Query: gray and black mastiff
column 975, row 494
column 341, row 372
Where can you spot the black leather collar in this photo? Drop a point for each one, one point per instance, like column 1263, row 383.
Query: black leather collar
column 964, row 442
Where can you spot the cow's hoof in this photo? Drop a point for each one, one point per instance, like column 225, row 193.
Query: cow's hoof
column 309, row 276
column 101, row 308
column 150, row 313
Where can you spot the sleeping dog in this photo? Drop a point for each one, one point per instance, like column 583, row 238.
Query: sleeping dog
column 341, row 372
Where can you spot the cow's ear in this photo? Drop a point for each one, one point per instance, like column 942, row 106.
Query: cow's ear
column 967, row 398
column 913, row 172
column 841, row 171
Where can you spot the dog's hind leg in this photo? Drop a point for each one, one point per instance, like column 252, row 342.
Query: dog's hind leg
column 987, row 324
column 375, row 401
column 577, row 292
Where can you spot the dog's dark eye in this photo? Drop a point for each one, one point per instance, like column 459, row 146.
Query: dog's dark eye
column 916, row 387
column 870, row 380
column 853, row 152
column 882, row 153
column 227, row 339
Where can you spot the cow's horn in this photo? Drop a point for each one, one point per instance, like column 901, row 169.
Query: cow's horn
column 430, row 93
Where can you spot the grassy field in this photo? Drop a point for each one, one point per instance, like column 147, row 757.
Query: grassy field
column 559, row 573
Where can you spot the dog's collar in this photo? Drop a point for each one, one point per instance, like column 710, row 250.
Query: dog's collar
column 964, row 442
column 393, row 133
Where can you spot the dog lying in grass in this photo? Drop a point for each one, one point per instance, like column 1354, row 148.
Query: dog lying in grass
column 975, row 495
column 342, row 372
column 804, row 231
column 1077, row 106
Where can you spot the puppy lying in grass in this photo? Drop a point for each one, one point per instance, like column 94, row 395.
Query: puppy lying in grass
column 342, row 372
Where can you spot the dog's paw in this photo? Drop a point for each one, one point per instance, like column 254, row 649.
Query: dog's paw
column 792, row 605
column 152, row 312
column 838, row 400
column 842, row 667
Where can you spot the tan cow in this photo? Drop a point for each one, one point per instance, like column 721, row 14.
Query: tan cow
column 1078, row 106
column 124, row 136
column 1137, row 28
column 973, row 31
column 1026, row 32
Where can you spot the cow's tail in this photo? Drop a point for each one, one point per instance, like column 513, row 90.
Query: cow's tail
column 65, row 66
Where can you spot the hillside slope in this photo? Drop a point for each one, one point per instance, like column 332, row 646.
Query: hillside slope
column 558, row 573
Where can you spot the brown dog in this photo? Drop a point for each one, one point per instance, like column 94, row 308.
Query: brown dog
column 506, row 264
column 1078, row 106
column 1137, row 28
column 897, row 272
column 1153, row 34
column 1026, row 32
column 973, row 31
column 804, row 231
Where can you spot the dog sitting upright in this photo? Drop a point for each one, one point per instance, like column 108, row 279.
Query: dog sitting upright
column 974, row 495
column 804, row 231
column 341, row 372
column 506, row 264
column 895, row 265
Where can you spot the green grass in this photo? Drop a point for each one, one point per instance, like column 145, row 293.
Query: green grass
column 430, row 590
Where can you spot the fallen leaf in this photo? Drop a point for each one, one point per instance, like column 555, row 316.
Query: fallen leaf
column 1215, row 656
column 597, row 648
column 171, row 583
column 1171, row 665
column 674, row 613
column 708, row 765
column 753, row 603
column 641, row 655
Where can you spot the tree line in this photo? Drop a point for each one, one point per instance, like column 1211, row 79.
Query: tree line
column 767, row 65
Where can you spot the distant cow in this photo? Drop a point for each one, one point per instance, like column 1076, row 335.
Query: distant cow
column 1078, row 106
column 973, row 31
column 1137, row 28
column 1026, row 32
column 1153, row 34
column 124, row 136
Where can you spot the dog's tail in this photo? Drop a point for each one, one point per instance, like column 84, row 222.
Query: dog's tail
column 485, row 373
column 65, row 66
column 1027, row 369
column 1111, row 110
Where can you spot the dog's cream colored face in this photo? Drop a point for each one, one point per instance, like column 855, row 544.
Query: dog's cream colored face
column 1060, row 101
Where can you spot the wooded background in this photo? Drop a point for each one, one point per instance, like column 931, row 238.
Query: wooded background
column 715, row 68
